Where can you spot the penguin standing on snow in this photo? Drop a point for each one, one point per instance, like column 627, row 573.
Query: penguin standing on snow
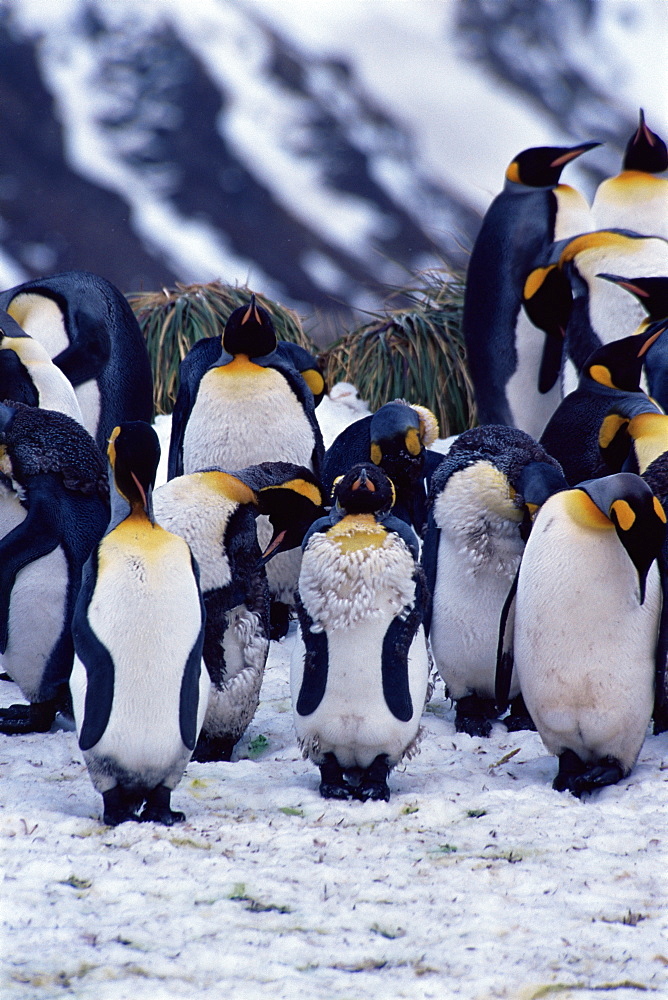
column 251, row 405
column 636, row 198
column 504, row 350
column 360, row 675
column 586, row 624
column 53, row 510
column 215, row 511
column 90, row 332
column 138, row 688
column 482, row 498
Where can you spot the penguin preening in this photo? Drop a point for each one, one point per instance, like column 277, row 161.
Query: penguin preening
column 360, row 674
column 482, row 499
column 586, row 623
column 90, row 332
column 53, row 510
column 139, row 690
column 396, row 437
column 250, row 405
column 610, row 381
column 636, row 198
column 504, row 349
column 215, row 511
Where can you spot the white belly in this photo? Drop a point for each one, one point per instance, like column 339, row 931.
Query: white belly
column 530, row 409
column 245, row 647
column 90, row 404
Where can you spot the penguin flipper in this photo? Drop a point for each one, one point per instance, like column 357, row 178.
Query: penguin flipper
column 550, row 364
column 430, row 544
column 96, row 659
column 189, row 696
column 505, row 651
column 197, row 361
column 660, row 713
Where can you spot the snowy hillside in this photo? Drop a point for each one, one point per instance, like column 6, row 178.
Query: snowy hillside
column 317, row 150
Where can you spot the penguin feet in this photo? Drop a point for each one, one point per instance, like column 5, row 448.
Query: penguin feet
column 120, row 806
column 157, row 809
column 373, row 785
column 333, row 784
column 213, row 748
column 4, row 676
column 579, row 778
column 519, row 717
column 279, row 620
column 18, row 720
column 474, row 715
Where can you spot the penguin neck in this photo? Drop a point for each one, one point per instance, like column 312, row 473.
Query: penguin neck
column 123, row 510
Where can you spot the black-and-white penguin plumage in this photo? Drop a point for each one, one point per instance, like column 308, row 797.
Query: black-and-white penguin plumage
column 215, row 511
column 249, row 405
column 360, row 674
column 610, row 381
column 54, row 509
column 636, row 198
column 28, row 375
column 504, row 350
column 139, row 688
column 396, row 437
column 482, row 499
column 586, row 624
column 90, row 332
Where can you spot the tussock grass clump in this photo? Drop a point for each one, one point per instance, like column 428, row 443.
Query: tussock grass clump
column 174, row 319
column 415, row 353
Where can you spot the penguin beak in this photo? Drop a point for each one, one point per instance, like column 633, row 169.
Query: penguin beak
column 363, row 483
column 273, row 548
column 572, row 154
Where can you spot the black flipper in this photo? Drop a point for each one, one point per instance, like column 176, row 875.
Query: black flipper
column 316, row 662
column 198, row 360
column 660, row 713
column 550, row 364
column 430, row 544
column 98, row 663
column 504, row 652
column 189, row 696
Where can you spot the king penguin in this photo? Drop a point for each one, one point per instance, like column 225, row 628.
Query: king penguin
column 360, row 674
column 482, row 499
column 504, row 350
column 90, row 332
column 215, row 511
column 636, row 198
column 53, row 510
column 586, row 624
column 139, row 692
column 251, row 405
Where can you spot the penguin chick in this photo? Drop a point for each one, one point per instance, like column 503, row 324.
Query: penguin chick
column 482, row 499
column 360, row 674
column 90, row 332
column 636, row 198
column 215, row 512
column 53, row 510
column 138, row 688
column 250, row 405
column 586, row 623
column 504, row 350
column 396, row 437
column 610, row 379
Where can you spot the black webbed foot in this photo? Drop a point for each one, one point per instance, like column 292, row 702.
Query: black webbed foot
column 475, row 715
column 279, row 620
column 519, row 717
column 607, row 772
column 120, row 806
column 373, row 782
column 157, row 809
column 18, row 720
column 4, row 676
column 333, row 784
column 213, row 748
column 570, row 768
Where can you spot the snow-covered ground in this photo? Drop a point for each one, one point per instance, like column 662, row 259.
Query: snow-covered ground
column 476, row 880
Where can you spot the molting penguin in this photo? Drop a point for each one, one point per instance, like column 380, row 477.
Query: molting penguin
column 636, row 198
column 360, row 675
column 138, row 688
column 610, row 381
column 482, row 498
column 396, row 438
column 249, row 406
column 28, row 375
column 504, row 350
column 215, row 512
column 53, row 510
column 90, row 332
column 586, row 624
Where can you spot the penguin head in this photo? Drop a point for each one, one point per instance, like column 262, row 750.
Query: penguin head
column 250, row 330
column 398, row 434
column 636, row 513
column 134, row 453
column 541, row 166
column 618, row 365
column 548, row 300
column 365, row 489
column 533, row 485
column 645, row 151
column 292, row 503
column 651, row 293
column 630, row 442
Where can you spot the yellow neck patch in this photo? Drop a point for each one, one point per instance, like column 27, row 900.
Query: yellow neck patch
column 239, row 365
column 300, row 486
column 535, row 280
column 513, row 173
column 650, row 434
column 610, row 426
column 228, row 486
column 602, row 375
column 582, row 509
column 624, row 514
column 357, row 531
column 314, row 380
column 413, row 443
column 596, row 241
column 375, row 454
